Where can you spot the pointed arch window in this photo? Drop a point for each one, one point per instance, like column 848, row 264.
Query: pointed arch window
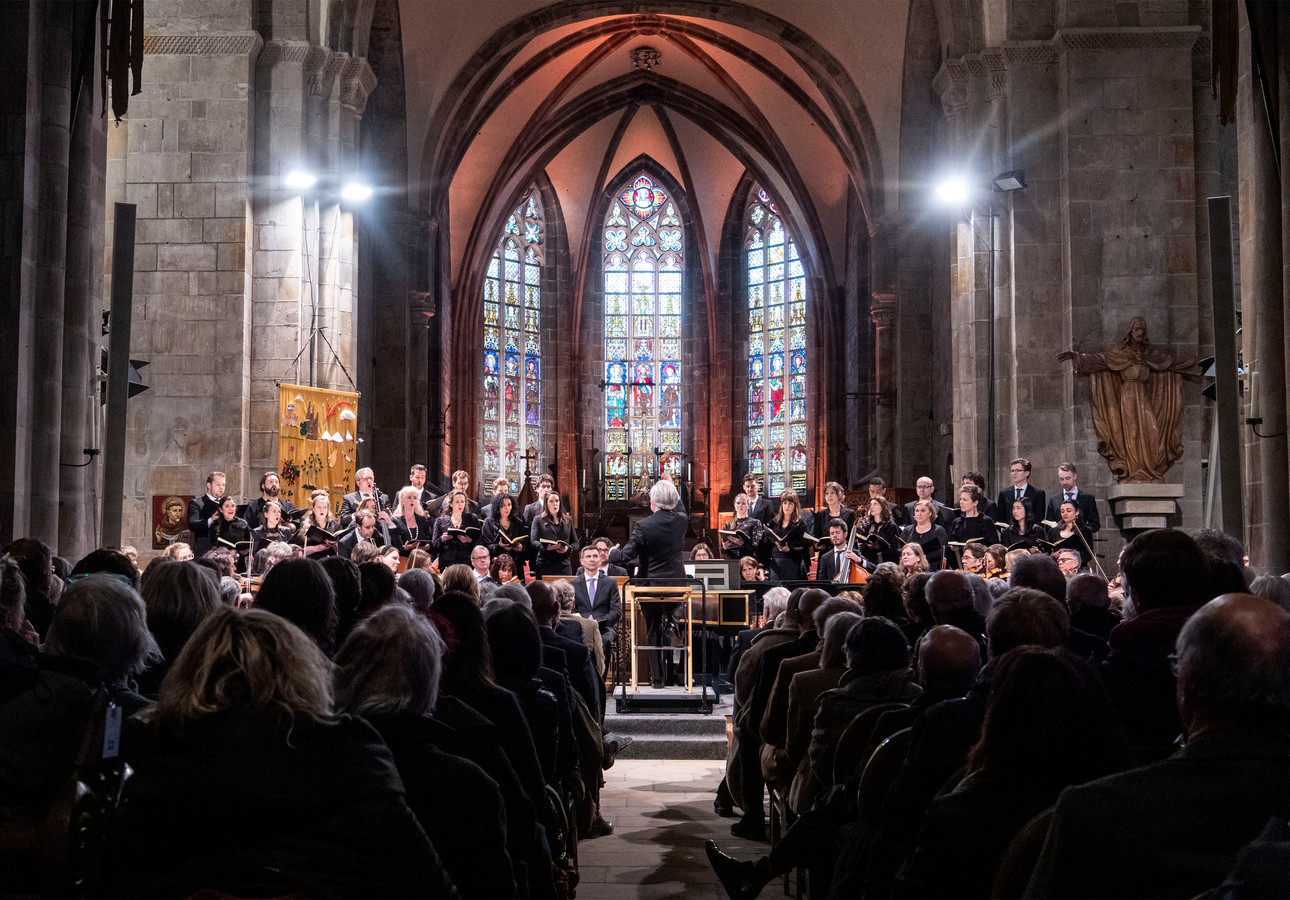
column 776, row 349
column 643, row 271
column 511, row 435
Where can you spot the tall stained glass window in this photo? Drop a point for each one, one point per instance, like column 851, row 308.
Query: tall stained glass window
column 643, row 270
column 776, row 350
column 511, row 427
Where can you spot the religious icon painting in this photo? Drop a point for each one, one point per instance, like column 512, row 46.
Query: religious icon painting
column 776, row 364
column 671, row 373
column 643, row 373
column 798, row 362
column 616, row 373
column 755, row 368
column 512, row 363
column 490, row 362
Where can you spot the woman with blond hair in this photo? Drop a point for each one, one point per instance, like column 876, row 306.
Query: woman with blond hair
column 413, row 530
column 319, row 516
column 245, row 777
column 912, row 559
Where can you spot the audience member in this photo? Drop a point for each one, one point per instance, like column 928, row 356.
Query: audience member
column 42, row 586
column 1270, row 587
column 299, row 591
column 1173, row 828
column 247, row 775
column 177, row 596
column 1089, row 602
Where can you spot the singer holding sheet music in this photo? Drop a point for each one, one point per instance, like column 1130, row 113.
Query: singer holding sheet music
column 553, row 536
column 411, row 527
column 271, row 529
column 456, row 532
column 315, row 523
column 927, row 534
column 232, row 532
column 1070, row 532
column 743, row 537
column 971, row 525
column 879, row 535
column 505, row 531
column 786, row 535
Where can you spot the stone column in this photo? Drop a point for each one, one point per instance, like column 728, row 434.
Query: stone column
column 883, row 311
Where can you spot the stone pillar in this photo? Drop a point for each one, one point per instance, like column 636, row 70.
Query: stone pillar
column 883, row 311
column 1263, row 304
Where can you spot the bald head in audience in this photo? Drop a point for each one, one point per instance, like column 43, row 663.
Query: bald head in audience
column 807, row 604
column 1233, row 665
column 948, row 660
column 948, row 591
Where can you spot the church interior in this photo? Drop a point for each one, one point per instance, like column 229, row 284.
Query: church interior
column 713, row 237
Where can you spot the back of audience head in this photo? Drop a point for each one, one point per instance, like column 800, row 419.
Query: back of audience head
column 883, row 597
column 469, row 662
column 1233, row 666
column 348, row 590
column 1048, row 724
column 914, row 598
column 947, row 592
column 875, row 644
column 1026, row 616
column 245, row 660
column 299, row 591
column 13, row 595
column 513, row 642
column 179, row 551
column 833, row 646
column 774, row 602
column 377, row 583
column 101, row 619
column 546, row 609
column 224, row 559
column 420, row 587
column 807, row 604
column 1270, row 587
column 112, row 562
column 564, row 594
column 948, row 660
column 982, row 595
column 178, row 596
column 832, row 607
column 229, row 590
column 364, row 553
column 1087, row 591
column 35, row 561
column 391, row 663
column 515, row 593
column 1164, row 567
column 278, row 551
column 461, row 579
column 1041, row 572
column 791, row 608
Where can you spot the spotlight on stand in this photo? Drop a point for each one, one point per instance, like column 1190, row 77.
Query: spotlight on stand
column 953, row 191
column 355, row 192
column 1010, row 181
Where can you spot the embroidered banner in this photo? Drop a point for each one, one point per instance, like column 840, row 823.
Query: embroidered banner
column 317, row 442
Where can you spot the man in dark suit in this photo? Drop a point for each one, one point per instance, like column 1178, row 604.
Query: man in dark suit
column 203, row 510
column 580, row 671
column 1173, row 828
column 417, row 478
column 1020, row 489
column 924, row 488
column 831, row 559
column 1085, row 502
column 364, row 532
column 480, row 561
column 759, row 507
column 604, row 545
column 656, row 544
column 460, row 482
column 545, row 485
column 595, row 596
column 365, row 481
column 268, row 491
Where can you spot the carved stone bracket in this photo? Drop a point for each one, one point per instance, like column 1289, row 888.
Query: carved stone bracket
column 279, row 52
column 324, row 69
column 950, row 84
column 1180, row 37
column 357, row 83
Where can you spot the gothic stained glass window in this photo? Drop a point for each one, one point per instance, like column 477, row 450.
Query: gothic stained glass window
column 776, row 350
column 643, row 266
column 512, row 409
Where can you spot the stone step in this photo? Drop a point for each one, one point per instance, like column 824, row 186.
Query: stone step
column 666, row 733
column 675, row 747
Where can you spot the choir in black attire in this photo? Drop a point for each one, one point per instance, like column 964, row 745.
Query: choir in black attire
column 453, row 548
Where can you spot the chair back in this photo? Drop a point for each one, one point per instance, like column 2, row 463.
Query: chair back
column 878, row 775
column 854, row 740
column 1018, row 863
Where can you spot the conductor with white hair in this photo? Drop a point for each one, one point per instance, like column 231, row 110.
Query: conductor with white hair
column 656, row 545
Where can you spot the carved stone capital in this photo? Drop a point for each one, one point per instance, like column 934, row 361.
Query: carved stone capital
column 357, row 83
column 324, row 70
column 882, row 309
column 951, row 84
column 280, row 52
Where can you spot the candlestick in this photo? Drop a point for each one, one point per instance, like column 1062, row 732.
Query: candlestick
column 705, row 477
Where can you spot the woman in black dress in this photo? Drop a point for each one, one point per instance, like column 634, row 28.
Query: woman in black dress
column 272, row 529
column 553, row 537
column 879, row 536
column 319, row 516
column 456, row 532
column 971, row 525
column 504, row 531
column 1070, row 528
column 229, row 529
column 411, row 525
column 786, row 535
column 737, row 546
column 834, row 496
column 927, row 534
column 1023, row 532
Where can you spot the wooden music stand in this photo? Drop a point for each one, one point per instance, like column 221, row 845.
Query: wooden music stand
column 638, row 594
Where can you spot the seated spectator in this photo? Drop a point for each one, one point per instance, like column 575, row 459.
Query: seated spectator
column 177, row 597
column 109, row 561
column 1048, row 724
column 180, row 551
column 101, row 619
column 1089, row 602
column 1225, row 556
column 378, row 585
column 1165, row 579
column 420, row 587
column 461, row 578
column 248, row 781
column 388, row 672
column 1173, row 828
column 1270, row 587
column 345, row 584
column 949, row 595
column 42, row 586
column 13, row 602
column 300, row 591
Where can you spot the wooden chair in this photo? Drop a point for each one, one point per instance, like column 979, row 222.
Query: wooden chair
column 879, row 773
column 855, row 739
column 1018, row 863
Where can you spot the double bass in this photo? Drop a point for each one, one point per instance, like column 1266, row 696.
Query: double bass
column 851, row 571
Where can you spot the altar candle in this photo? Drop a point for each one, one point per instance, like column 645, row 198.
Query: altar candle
column 584, row 479
column 689, row 471
column 705, row 477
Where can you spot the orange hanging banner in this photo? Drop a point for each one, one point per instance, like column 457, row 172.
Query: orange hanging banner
column 317, row 442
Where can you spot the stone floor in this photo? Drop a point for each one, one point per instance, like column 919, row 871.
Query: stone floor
column 662, row 814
